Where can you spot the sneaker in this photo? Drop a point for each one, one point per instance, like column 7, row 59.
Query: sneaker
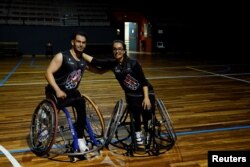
column 138, row 136
column 82, row 145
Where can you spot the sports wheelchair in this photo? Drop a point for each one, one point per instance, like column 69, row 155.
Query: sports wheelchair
column 53, row 132
column 120, row 133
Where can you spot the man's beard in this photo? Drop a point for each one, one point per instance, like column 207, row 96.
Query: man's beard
column 78, row 52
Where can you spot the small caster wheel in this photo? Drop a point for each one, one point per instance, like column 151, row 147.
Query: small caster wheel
column 73, row 159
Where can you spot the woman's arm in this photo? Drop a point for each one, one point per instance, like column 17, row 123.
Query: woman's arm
column 137, row 69
column 96, row 70
column 146, row 101
column 99, row 63
column 91, row 66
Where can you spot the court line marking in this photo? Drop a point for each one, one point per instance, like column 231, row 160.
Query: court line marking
column 9, row 156
column 10, row 73
column 177, row 133
column 220, row 75
column 150, row 78
column 2, row 82
column 183, row 66
column 204, row 65
column 32, row 62
column 212, row 130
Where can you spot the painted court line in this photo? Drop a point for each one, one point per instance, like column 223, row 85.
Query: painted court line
column 211, row 130
column 2, row 82
column 10, row 73
column 9, row 156
column 215, row 74
column 177, row 133
column 150, row 78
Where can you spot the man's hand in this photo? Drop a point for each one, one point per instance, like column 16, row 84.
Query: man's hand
column 61, row 94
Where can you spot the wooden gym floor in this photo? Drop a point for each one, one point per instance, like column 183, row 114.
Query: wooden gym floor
column 208, row 102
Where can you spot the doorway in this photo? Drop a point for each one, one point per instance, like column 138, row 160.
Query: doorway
column 131, row 36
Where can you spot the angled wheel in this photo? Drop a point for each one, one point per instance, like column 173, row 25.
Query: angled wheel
column 149, row 136
column 114, row 121
column 94, row 134
column 167, row 130
column 43, row 127
column 95, row 117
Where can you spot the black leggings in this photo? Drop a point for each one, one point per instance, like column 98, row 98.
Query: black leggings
column 136, row 108
column 75, row 100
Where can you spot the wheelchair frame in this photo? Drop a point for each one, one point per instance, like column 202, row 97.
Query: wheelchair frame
column 161, row 134
column 51, row 134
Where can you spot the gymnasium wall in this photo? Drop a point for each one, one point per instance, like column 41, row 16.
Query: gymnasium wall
column 33, row 39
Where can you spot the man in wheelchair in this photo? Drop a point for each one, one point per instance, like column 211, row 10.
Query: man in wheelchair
column 64, row 74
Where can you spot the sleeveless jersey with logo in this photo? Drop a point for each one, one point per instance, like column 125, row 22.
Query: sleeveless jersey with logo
column 70, row 73
column 131, row 77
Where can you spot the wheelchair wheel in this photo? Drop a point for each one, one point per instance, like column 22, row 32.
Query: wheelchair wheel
column 133, row 144
column 114, row 121
column 94, row 134
column 166, row 122
column 43, row 127
column 95, row 117
column 151, row 145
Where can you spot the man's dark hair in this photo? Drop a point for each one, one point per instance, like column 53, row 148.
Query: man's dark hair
column 79, row 33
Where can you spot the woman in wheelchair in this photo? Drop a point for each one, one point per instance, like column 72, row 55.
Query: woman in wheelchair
column 139, row 92
column 64, row 74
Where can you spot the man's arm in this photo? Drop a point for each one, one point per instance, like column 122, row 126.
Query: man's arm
column 87, row 57
column 54, row 65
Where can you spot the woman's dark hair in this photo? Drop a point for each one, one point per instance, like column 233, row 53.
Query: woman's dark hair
column 123, row 45
column 121, row 42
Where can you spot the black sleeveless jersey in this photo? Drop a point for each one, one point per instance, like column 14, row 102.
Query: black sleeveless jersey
column 70, row 73
column 129, row 74
column 131, row 77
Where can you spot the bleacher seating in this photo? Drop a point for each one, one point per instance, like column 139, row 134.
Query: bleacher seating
column 54, row 13
column 9, row 49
